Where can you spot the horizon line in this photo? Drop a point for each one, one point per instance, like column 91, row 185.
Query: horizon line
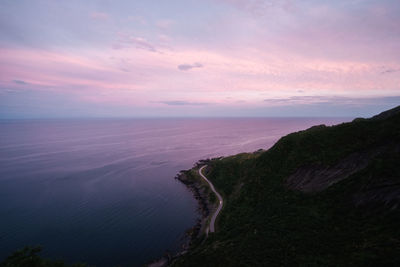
column 174, row 117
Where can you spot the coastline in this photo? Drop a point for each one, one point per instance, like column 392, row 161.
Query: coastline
column 205, row 206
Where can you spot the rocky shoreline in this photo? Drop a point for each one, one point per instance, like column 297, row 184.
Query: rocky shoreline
column 204, row 208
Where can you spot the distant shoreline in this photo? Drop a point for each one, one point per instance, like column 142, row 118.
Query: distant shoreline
column 204, row 207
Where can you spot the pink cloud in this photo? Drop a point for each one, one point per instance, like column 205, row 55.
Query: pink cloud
column 99, row 16
column 126, row 40
column 141, row 77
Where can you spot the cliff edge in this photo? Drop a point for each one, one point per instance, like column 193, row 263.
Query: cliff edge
column 325, row 196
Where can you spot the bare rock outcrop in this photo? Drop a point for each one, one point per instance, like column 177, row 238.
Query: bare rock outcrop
column 315, row 178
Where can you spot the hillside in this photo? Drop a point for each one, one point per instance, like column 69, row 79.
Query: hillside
column 326, row 196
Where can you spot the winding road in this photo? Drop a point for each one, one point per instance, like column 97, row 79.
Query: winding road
column 221, row 201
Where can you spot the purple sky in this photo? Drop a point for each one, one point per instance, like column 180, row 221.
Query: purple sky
column 198, row 58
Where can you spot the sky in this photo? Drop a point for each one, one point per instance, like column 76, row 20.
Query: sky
column 204, row 58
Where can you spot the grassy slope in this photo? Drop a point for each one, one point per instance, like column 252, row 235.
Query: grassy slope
column 264, row 223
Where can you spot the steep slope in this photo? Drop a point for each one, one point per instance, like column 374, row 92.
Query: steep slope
column 326, row 196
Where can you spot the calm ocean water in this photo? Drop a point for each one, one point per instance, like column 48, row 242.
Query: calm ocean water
column 102, row 191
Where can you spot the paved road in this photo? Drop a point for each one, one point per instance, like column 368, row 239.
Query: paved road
column 221, row 201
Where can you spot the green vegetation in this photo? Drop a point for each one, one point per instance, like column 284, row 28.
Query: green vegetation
column 192, row 176
column 353, row 222
column 266, row 221
column 28, row 257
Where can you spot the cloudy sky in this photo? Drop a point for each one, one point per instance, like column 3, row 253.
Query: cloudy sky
column 124, row 58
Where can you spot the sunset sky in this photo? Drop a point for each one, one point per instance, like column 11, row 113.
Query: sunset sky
column 216, row 58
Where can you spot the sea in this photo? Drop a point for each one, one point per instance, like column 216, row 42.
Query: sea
column 102, row 191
